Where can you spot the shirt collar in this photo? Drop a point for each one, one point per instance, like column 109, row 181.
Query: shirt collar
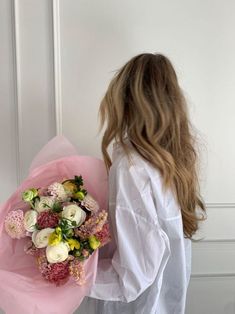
column 117, row 148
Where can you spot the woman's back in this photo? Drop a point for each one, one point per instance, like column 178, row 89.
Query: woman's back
column 150, row 204
column 154, row 195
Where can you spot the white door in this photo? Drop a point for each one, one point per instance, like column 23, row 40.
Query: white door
column 56, row 59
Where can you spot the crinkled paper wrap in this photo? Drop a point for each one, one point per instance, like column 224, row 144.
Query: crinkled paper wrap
column 22, row 288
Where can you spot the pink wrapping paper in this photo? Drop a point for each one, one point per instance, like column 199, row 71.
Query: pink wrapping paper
column 22, row 288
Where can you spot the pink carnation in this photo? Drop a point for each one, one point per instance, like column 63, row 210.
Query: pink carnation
column 47, row 219
column 14, row 224
column 57, row 273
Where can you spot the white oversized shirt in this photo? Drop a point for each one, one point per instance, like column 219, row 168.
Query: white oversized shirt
column 146, row 268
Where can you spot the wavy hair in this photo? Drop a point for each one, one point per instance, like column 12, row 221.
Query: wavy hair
column 145, row 103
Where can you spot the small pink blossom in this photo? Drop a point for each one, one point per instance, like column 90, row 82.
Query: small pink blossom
column 104, row 235
column 31, row 249
column 85, row 253
column 93, row 225
column 77, row 271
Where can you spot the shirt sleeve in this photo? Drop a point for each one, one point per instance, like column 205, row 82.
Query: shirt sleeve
column 142, row 247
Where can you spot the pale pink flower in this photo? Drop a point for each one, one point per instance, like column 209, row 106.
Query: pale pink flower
column 57, row 190
column 90, row 203
column 14, row 224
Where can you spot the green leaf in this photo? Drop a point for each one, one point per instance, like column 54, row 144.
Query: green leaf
column 46, row 205
column 82, row 258
column 57, row 207
column 37, row 227
column 78, row 180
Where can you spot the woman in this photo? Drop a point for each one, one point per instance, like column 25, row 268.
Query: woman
column 154, row 199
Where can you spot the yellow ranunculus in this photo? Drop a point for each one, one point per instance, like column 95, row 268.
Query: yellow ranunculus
column 94, row 242
column 70, row 187
column 58, row 230
column 29, row 195
column 55, row 237
column 73, row 244
column 79, row 195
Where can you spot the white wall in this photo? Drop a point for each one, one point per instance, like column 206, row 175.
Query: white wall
column 27, row 117
column 56, row 60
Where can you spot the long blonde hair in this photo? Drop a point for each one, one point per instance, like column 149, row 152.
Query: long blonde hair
column 145, row 103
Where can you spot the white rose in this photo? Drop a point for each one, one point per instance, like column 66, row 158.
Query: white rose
column 57, row 253
column 30, row 219
column 44, row 203
column 40, row 238
column 74, row 213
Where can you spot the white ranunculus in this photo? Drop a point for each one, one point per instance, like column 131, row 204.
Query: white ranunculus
column 57, row 253
column 40, row 238
column 30, row 219
column 83, row 218
column 45, row 203
column 74, row 213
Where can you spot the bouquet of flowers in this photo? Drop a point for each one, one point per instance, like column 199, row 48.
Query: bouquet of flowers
column 58, row 216
column 65, row 227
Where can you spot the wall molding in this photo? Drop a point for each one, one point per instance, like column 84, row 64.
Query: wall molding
column 220, row 205
column 17, row 87
column 212, row 275
column 57, row 66
column 213, row 258
column 214, row 210
column 215, row 240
